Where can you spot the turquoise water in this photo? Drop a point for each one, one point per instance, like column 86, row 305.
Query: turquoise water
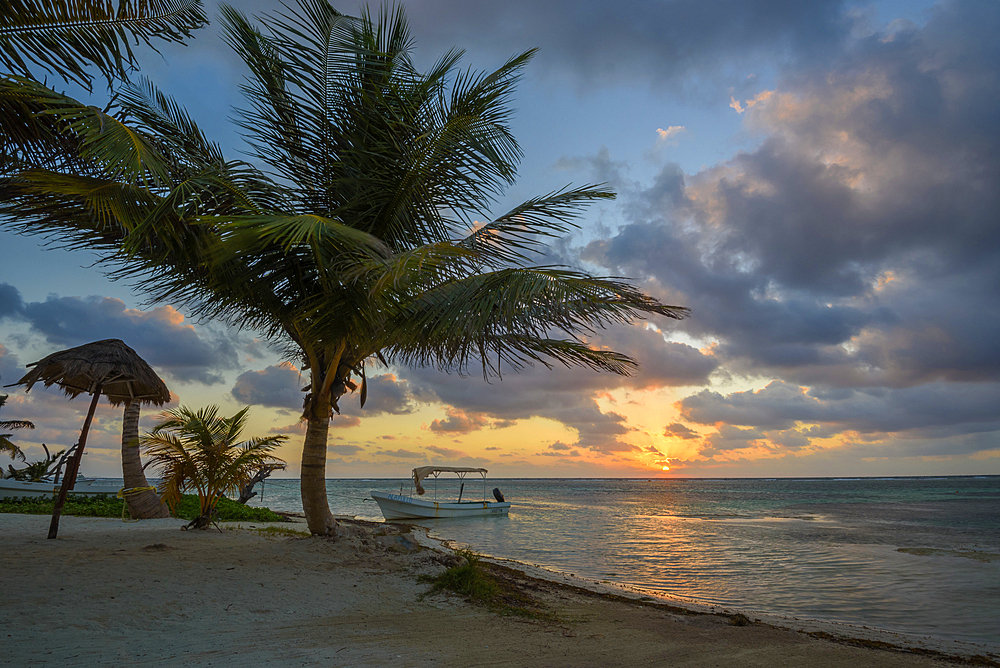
column 919, row 556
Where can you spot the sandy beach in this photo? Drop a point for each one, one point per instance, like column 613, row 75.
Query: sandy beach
column 108, row 593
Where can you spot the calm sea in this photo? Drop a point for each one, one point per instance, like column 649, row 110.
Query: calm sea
column 918, row 556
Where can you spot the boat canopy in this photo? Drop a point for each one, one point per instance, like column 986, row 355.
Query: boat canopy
column 422, row 472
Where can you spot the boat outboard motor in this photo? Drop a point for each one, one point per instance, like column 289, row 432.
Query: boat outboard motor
column 497, row 494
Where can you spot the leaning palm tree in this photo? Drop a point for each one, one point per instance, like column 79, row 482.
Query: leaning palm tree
column 202, row 451
column 359, row 243
column 6, row 446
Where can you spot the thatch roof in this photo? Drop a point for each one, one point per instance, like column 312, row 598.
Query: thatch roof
column 122, row 374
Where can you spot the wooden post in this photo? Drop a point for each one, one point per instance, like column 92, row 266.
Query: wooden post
column 73, row 466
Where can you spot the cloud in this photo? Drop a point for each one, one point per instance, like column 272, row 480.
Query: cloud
column 567, row 396
column 448, row 453
column 941, row 409
column 664, row 43
column 11, row 304
column 277, row 385
column 294, row 428
column 400, row 454
column 11, row 368
column 345, row 450
column 855, row 248
column 677, row 430
column 665, row 136
column 160, row 336
column 460, row 422
column 387, row 394
column 876, row 170
column 345, row 421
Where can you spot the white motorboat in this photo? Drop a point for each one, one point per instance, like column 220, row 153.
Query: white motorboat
column 407, row 506
column 10, row 488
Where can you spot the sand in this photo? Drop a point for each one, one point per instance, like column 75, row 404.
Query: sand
column 108, row 593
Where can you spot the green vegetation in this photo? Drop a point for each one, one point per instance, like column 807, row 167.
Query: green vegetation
column 38, row 470
column 202, row 451
column 475, row 582
column 227, row 510
column 108, row 506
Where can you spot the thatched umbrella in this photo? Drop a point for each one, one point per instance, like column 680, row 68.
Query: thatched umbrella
column 106, row 367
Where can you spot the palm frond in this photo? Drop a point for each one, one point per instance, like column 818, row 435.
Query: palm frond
column 65, row 37
column 507, row 317
column 525, row 230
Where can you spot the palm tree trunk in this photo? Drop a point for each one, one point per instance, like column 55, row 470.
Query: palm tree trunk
column 146, row 504
column 314, row 500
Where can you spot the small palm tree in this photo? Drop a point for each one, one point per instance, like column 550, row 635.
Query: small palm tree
column 6, row 446
column 39, row 471
column 202, row 451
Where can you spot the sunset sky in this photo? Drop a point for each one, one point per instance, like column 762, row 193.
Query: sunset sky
column 818, row 181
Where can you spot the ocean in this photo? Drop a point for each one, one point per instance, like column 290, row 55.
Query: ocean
column 912, row 556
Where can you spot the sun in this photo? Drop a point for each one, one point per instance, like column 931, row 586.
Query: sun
column 666, row 468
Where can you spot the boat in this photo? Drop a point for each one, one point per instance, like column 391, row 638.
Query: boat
column 13, row 489
column 408, row 507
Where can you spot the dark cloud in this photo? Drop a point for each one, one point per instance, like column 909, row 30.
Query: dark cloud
column 345, row 450
column 858, row 244
column 676, row 43
column 278, row 386
column 855, row 252
column 11, row 304
column 160, row 336
column 677, row 430
column 939, row 409
column 662, row 363
column 11, row 369
column 387, row 394
column 400, row 454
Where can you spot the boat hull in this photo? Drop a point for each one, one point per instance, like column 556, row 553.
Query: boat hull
column 13, row 489
column 403, row 507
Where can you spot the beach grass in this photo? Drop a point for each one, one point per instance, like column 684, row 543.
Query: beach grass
column 110, row 506
column 472, row 579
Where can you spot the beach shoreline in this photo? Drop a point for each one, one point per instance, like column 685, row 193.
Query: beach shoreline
column 107, row 592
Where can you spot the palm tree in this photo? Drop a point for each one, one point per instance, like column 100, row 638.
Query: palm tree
column 6, row 446
column 40, row 470
column 360, row 242
column 202, row 451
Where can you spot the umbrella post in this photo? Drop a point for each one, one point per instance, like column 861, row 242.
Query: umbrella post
column 73, row 467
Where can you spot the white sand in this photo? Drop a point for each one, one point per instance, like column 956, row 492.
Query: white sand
column 108, row 593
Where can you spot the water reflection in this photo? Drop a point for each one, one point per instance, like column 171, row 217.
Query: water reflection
column 823, row 549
